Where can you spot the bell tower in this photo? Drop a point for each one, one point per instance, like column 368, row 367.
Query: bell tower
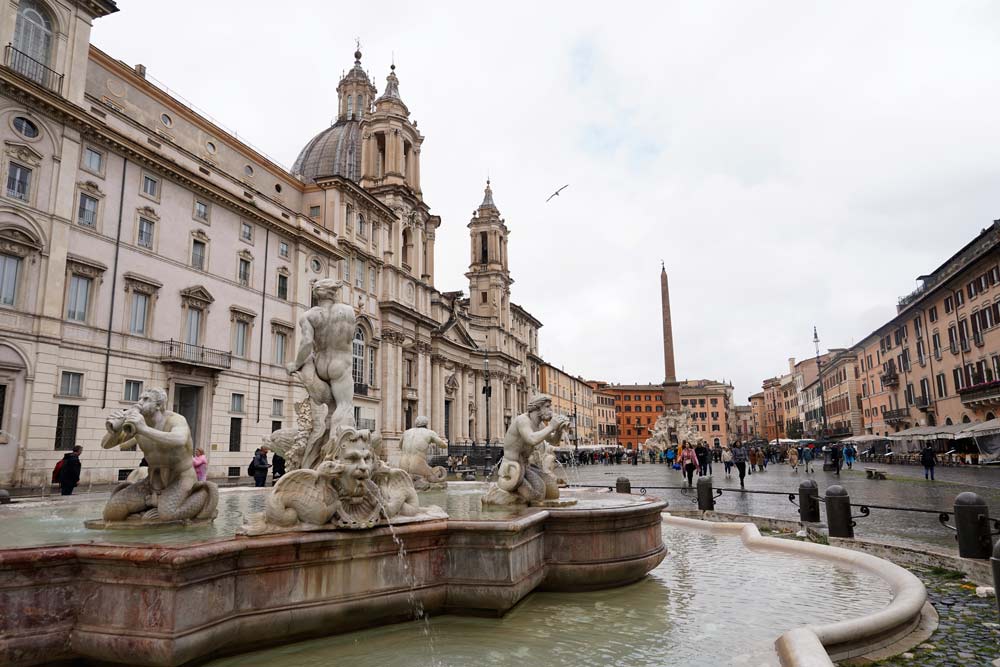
column 489, row 276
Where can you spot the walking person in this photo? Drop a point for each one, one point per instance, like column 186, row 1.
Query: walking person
column 807, row 457
column 727, row 461
column 850, row 454
column 701, row 452
column 689, row 461
column 739, row 452
column 753, row 459
column 200, row 463
column 259, row 466
column 836, row 458
column 928, row 459
column 68, row 474
column 762, row 456
column 793, row 459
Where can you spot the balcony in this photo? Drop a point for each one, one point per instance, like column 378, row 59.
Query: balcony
column 922, row 402
column 27, row 67
column 897, row 416
column 173, row 351
column 890, row 379
column 360, row 389
column 982, row 394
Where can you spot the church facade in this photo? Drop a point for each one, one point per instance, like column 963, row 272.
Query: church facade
column 143, row 245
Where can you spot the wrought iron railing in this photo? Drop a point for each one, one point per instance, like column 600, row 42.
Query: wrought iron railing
column 897, row 414
column 24, row 65
column 196, row 355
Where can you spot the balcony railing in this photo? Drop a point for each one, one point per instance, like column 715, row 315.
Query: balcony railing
column 890, row 378
column 366, row 424
column 24, row 65
column 922, row 402
column 195, row 355
column 360, row 389
column 897, row 415
column 981, row 394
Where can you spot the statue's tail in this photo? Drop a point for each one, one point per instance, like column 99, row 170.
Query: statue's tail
column 439, row 474
column 509, row 475
column 212, row 504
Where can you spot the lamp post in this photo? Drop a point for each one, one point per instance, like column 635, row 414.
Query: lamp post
column 576, row 439
column 487, row 391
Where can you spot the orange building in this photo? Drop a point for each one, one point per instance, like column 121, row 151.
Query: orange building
column 774, row 410
column 636, row 408
column 757, row 415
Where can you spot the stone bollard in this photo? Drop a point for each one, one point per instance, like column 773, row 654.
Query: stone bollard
column 808, row 503
column 838, row 512
column 706, row 502
column 972, row 526
column 4, row 497
column 622, row 485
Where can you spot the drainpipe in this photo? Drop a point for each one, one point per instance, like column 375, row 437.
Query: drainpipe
column 114, row 286
column 263, row 303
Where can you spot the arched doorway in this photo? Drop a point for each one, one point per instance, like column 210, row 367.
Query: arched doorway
column 965, row 419
column 948, row 422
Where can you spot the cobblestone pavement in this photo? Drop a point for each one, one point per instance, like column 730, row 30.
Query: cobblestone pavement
column 905, row 487
column 968, row 634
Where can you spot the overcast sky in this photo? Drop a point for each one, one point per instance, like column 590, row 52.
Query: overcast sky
column 793, row 163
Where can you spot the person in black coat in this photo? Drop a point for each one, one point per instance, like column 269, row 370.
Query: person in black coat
column 277, row 467
column 928, row 459
column 69, row 474
column 260, row 466
column 836, row 458
column 701, row 451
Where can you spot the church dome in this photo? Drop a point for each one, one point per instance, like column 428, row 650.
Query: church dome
column 336, row 151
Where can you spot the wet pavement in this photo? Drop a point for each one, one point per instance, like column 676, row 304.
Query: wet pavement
column 905, row 487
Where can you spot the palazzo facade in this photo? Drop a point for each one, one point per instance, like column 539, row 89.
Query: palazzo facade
column 143, row 245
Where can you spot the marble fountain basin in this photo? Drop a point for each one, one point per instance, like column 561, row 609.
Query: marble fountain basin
column 171, row 597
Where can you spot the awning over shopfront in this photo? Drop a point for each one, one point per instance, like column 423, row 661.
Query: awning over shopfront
column 923, row 433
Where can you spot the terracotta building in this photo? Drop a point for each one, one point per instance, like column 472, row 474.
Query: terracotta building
column 774, row 408
column 757, row 420
column 575, row 398
column 842, row 396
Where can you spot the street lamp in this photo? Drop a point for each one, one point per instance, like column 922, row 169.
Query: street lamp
column 487, row 391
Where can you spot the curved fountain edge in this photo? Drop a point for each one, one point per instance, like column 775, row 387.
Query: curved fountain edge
column 817, row 645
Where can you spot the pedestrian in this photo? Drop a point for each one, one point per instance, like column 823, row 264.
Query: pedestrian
column 836, row 458
column 727, row 461
column 850, row 454
column 465, row 461
column 200, row 463
column 739, row 452
column 928, row 459
column 793, row 459
column 762, row 456
column 753, row 459
column 671, row 455
column 68, row 474
column 259, row 466
column 701, row 452
column 807, row 457
column 689, row 461
column 277, row 467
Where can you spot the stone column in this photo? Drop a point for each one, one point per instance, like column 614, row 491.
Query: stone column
column 461, row 427
column 429, row 269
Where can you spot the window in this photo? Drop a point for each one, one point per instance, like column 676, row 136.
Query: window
column 280, row 342
column 25, row 127
column 362, row 227
column 936, row 344
column 198, row 253
column 76, row 299
column 275, row 426
column 277, row 407
column 244, row 272
column 71, row 384
column 240, row 339
column 87, row 213
column 925, row 388
column 282, row 286
column 932, row 314
column 408, row 374
column 349, row 218
column 200, row 210
column 236, row 403
column 372, row 280
column 33, row 37
column 359, row 273
column 211, row 147
column 314, row 211
column 483, row 298
column 150, row 186
column 166, row 120
column 10, row 269
column 66, row 423
column 145, row 238
column 248, row 170
column 358, row 353
column 246, row 231
column 948, row 307
column 371, row 366
column 18, row 181
column 192, row 329
column 140, row 314
column 283, row 249
column 93, row 160
column 132, row 390
column 959, row 298
column 235, row 433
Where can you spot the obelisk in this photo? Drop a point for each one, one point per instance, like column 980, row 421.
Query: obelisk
column 671, row 388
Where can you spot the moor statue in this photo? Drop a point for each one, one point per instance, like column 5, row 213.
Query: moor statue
column 415, row 445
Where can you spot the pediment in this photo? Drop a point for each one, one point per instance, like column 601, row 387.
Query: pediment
column 455, row 332
column 23, row 153
column 197, row 293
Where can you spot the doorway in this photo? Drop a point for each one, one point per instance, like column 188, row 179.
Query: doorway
column 447, row 421
column 187, row 403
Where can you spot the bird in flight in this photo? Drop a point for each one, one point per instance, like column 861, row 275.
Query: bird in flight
column 556, row 193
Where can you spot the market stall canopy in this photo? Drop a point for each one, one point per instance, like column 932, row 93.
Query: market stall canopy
column 944, row 432
column 979, row 430
column 864, row 439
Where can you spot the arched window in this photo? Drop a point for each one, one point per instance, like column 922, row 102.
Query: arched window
column 33, row 38
column 361, row 106
column 350, row 107
column 965, row 419
column 407, row 244
column 358, row 350
column 990, row 416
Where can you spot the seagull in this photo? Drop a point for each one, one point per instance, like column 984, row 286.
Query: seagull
column 556, row 193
